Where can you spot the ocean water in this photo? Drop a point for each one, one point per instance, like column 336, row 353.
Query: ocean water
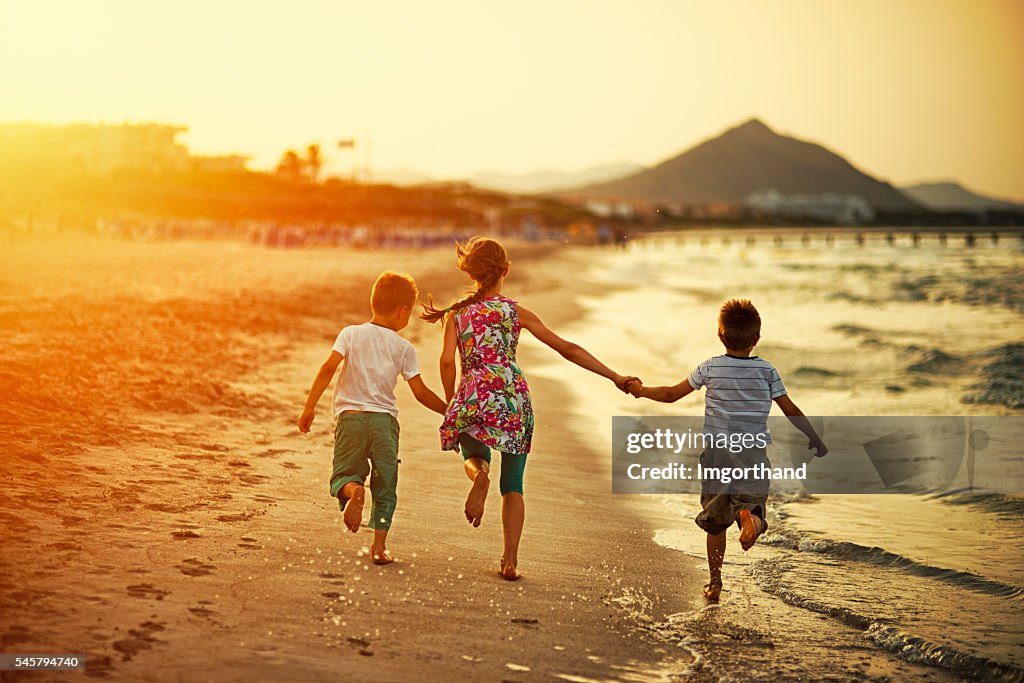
column 879, row 328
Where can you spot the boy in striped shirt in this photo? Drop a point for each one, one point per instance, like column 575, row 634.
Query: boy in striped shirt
column 740, row 391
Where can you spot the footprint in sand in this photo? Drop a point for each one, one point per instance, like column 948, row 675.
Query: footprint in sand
column 271, row 453
column 202, row 612
column 64, row 545
column 138, row 640
column 260, row 498
column 241, row 517
column 164, row 507
column 195, row 456
column 291, row 466
column 146, row 591
column 15, row 635
column 252, row 479
column 193, row 567
column 97, row 666
column 239, row 463
column 333, row 579
column 183, row 535
column 362, row 644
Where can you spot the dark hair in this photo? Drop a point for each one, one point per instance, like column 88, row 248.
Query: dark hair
column 739, row 324
column 485, row 260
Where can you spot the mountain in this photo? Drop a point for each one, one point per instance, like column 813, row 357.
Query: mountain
column 949, row 195
column 745, row 159
column 551, row 181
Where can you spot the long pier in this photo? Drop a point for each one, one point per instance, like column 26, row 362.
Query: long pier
column 805, row 236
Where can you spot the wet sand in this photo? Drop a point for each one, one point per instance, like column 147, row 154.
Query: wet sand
column 163, row 515
column 792, row 611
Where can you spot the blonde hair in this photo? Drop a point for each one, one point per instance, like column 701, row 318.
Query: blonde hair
column 485, row 261
column 391, row 291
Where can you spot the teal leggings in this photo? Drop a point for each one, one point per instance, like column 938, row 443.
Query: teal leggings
column 512, row 464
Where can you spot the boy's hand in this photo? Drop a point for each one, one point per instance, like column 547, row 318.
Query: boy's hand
column 306, row 421
column 634, row 387
column 622, row 382
column 820, row 449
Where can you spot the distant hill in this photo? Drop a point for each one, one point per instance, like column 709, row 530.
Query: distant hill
column 551, row 181
column 401, row 177
column 950, row 195
column 524, row 183
column 745, row 159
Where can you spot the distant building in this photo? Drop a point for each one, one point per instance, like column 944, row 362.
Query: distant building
column 220, row 164
column 608, row 208
column 846, row 209
column 103, row 149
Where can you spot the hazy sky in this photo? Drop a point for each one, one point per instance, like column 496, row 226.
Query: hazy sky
column 906, row 89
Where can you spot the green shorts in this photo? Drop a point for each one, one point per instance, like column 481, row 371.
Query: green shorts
column 366, row 447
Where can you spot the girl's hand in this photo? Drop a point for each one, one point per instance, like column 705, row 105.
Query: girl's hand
column 635, row 387
column 622, row 382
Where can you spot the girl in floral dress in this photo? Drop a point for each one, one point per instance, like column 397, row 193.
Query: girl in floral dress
column 491, row 408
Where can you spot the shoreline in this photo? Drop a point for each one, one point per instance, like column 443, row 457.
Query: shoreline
column 758, row 628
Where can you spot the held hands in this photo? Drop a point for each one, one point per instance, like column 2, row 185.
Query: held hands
column 305, row 421
column 622, row 382
column 629, row 385
column 820, row 449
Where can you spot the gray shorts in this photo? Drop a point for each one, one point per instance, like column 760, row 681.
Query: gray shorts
column 721, row 510
column 721, row 503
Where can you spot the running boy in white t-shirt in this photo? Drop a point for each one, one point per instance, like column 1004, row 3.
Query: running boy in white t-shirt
column 366, row 431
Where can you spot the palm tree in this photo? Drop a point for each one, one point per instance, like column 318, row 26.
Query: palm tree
column 314, row 161
column 290, row 166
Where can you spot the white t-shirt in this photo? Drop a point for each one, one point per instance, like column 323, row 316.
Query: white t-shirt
column 374, row 357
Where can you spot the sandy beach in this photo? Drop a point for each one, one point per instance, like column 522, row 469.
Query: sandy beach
column 164, row 516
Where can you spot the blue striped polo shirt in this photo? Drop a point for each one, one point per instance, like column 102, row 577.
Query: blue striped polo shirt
column 739, row 393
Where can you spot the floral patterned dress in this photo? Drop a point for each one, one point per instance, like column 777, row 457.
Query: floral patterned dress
column 492, row 403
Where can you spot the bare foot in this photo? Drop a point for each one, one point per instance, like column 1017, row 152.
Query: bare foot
column 476, row 498
column 354, row 509
column 508, row 571
column 713, row 590
column 381, row 556
column 750, row 528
